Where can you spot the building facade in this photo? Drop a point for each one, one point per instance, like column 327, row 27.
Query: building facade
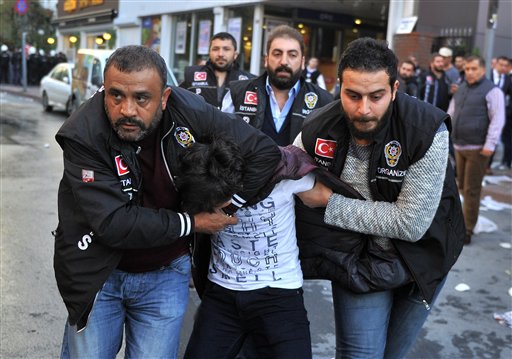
column 180, row 30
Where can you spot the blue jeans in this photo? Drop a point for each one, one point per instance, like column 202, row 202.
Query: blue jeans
column 150, row 306
column 379, row 324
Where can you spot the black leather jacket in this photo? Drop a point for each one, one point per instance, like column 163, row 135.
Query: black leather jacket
column 202, row 81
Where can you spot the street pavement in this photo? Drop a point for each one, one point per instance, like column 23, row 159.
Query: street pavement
column 461, row 324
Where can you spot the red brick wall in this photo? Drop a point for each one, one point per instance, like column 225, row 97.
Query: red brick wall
column 417, row 44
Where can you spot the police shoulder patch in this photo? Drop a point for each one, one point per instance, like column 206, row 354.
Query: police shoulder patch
column 183, row 136
column 311, row 99
column 392, row 152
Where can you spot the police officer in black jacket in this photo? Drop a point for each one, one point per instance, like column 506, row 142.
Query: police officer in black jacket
column 278, row 101
column 393, row 149
column 212, row 80
column 122, row 244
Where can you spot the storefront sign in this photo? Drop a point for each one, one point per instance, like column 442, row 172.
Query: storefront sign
column 72, row 5
column 181, row 37
column 235, row 29
column 203, row 42
column 407, row 25
column 151, row 32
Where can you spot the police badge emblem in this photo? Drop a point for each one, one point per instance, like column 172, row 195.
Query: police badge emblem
column 392, row 151
column 183, row 136
column 310, row 99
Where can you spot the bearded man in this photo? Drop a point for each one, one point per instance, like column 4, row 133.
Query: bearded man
column 212, row 80
column 436, row 88
column 122, row 260
column 278, row 101
column 393, row 149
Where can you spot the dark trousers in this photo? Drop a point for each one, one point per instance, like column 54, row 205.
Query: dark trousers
column 506, row 138
column 275, row 318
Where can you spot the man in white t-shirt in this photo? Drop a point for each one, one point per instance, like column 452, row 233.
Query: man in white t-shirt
column 254, row 277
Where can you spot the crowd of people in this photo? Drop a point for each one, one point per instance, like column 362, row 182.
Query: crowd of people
column 251, row 184
column 38, row 64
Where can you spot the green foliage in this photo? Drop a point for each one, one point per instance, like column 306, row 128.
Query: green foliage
column 36, row 23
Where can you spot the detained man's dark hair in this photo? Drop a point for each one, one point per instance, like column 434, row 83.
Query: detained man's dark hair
column 210, row 171
column 369, row 55
column 137, row 58
column 223, row 36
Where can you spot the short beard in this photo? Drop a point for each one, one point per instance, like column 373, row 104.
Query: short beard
column 283, row 83
column 135, row 136
column 369, row 135
column 224, row 68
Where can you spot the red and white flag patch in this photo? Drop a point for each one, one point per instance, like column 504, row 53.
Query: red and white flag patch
column 87, row 176
column 251, row 98
column 200, row 76
column 325, row 148
column 122, row 168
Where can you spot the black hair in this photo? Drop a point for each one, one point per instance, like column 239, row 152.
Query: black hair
column 136, row 58
column 285, row 31
column 481, row 60
column 223, row 36
column 210, row 171
column 503, row 57
column 410, row 63
column 369, row 55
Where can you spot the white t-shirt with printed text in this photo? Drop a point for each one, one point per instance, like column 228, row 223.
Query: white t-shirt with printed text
column 261, row 249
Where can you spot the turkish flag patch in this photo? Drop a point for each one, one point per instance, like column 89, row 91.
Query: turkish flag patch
column 325, row 148
column 200, row 76
column 251, row 98
column 87, row 176
column 122, row 168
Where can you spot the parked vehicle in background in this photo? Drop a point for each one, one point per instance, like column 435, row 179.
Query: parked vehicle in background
column 87, row 74
column 55, row 88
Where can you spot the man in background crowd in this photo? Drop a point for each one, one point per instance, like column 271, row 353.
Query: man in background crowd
column 451, row 72
column 407, row 79
column 459, row 65
column 278, row 101
column 212, row 80
column 503, row 79
column 478, row 114
column 313, row 75
column 436, row 90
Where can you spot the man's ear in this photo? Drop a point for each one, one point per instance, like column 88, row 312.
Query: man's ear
column 165, row 96
column 303, row 62
column 395, row 89
column 265, row 61
column 236, row 55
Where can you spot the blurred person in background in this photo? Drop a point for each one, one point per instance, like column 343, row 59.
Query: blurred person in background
column 503, row 79
column 312, row 74
column 451, row 72
column 478, row 114
column 436, row 90
column 407, row 79
column 212, row 79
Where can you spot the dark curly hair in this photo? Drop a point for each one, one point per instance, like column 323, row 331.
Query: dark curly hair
column 369, row 55
column 210, row 171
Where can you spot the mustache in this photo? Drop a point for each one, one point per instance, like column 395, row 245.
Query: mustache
column 365, row 119
column 284, row 69
column 130, row 121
